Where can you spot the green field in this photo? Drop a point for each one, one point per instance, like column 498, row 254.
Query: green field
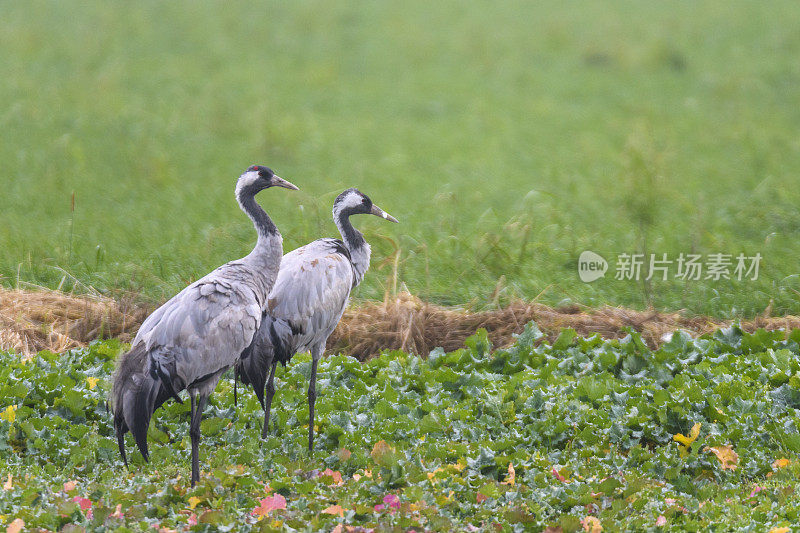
column 590, row 428
column 507, row 138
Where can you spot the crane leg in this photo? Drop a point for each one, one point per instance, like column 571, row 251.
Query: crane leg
column 198, row 405
column 268, row 399
column 235, row 382
column 312, row 399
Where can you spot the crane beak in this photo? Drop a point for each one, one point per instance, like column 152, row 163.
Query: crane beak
column 280, row 182
column 378, row 212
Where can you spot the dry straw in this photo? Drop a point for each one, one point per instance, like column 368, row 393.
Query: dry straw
column 31, row 321
column 36, row 320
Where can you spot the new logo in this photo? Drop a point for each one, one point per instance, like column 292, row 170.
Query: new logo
column 591, row 266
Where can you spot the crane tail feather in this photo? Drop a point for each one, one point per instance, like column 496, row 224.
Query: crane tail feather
column 120, row 428
column 253, row 366
column 135, row 395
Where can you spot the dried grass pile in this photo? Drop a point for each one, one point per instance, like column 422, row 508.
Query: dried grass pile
column 31, row 321
column 409, row 324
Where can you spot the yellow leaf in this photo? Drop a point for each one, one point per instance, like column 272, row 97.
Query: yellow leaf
column 591, row 524
column 432, row 475
column 193, row 501
column 460, row 465
column 727, row 457
column 9, row 483
column 779, row 530
column 9, row 414
column 693, row 434
column 334, row 510
column 512, row 475
column 92, row 382
column 15, row 526
column 780, row 463
column 416, row 506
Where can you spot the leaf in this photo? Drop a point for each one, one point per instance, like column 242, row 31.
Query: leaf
column 334, row 475
column 9, row 414
column 344, row 454
column 392, row 501
column 334, row 510
column 564, row 339
column 780, row 530
column 69, row 486
column 9, row 484
column 15, row 526
column 685, row 442
column 383, row 454
column 92, row 382
column 591, row 524
column 727, row 457
column 488, row 490
column 193, row 501
column 211, row 517
column 432, row 475
column 269, row 504
column 780, row 463
column 511, row 477
column 556, row 474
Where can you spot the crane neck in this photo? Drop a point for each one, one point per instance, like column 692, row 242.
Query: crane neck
column 354, row 241
column 268, row 234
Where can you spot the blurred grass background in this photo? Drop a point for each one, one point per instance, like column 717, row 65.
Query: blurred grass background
column 507, row 138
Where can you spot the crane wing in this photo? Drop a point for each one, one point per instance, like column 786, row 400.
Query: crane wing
column 203, row 328
column 313, row 286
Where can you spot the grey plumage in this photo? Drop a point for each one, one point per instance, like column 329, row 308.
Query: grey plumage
column 307, row 301
column 191, row 340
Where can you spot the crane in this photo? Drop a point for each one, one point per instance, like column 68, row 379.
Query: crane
column 191, row 340
column 307, row 301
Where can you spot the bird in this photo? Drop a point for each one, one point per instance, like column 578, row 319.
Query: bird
column 191, row 340
column 307, row 301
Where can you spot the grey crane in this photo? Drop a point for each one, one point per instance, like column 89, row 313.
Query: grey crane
column 190, row 341
column 307, row 301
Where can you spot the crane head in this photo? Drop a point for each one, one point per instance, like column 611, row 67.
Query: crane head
column 259, row 177
column 353, row 202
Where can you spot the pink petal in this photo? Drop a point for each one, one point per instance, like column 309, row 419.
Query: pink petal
column 379, row 507
column 661, row 521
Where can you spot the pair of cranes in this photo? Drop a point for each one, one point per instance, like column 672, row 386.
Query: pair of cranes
column 250, row 314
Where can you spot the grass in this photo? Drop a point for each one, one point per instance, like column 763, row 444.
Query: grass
column 507, row 138
column 699, row 435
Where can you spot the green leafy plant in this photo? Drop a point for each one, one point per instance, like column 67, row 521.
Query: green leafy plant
column 581, row 433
